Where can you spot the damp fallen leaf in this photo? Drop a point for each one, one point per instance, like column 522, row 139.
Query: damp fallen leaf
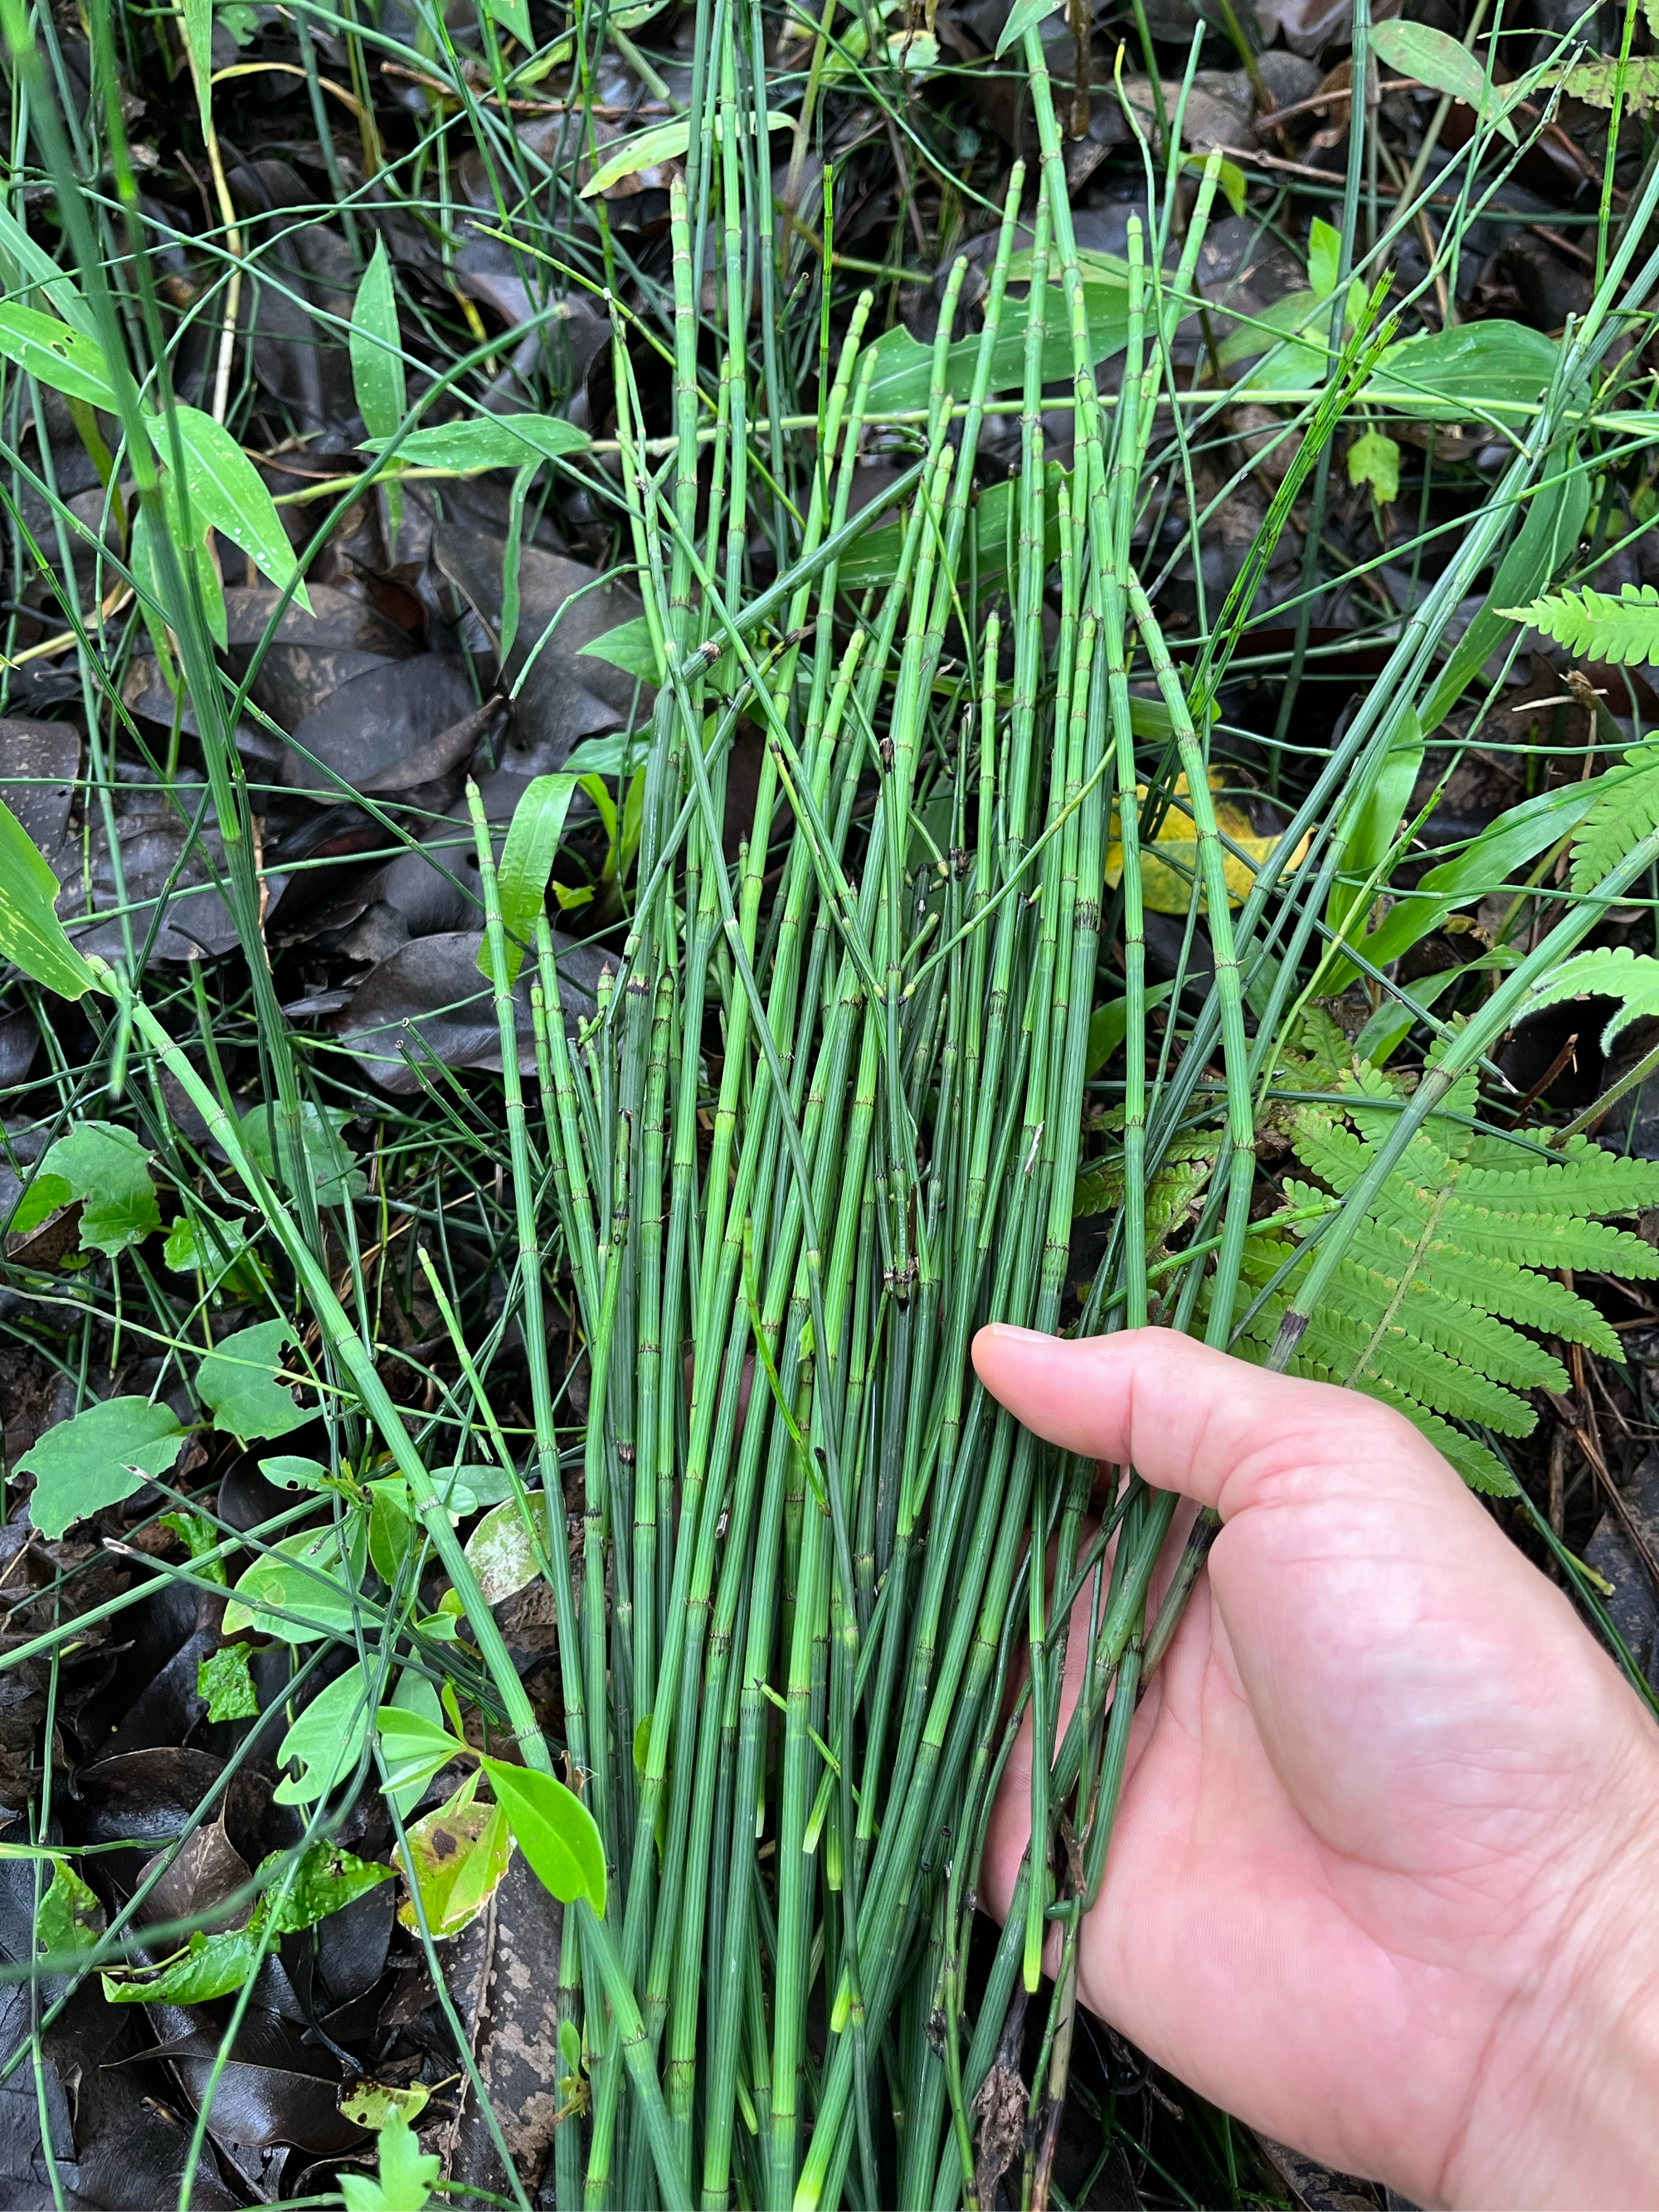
column 1170, row 864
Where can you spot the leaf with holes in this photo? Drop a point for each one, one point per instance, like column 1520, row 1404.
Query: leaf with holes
column 223, row 1679
column 333, row 1170
column 1374, row 460
column 460, row 1853
column 326, row 1739
column 70, row 1919
column 98, row 1457
column 237, row 1380
column 105, row 1166
column 67, row 360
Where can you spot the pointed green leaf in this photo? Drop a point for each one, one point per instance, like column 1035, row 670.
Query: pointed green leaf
column 99, row 1456
column 513, row 15
column 1418, row 50
column 1324, row 256
column 377, row 368
column 210, row 1966
column 533, row 838
column 334, row 1169
column 31, row 935
column 558, row 1834
column 305, row 1578
column 31, row 266
column 227, row 493
column 1024, row 15
column 487, row 441
column 630, row 647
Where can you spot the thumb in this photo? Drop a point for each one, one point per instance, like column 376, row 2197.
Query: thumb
column 1191, row 1418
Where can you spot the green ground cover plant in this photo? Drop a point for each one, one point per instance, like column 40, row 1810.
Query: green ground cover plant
column 695, row 697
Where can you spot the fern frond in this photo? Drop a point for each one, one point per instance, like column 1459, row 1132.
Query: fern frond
column 1588, row 623
column 1429, row 1305
column 1352, row 1335
column 1607, row 972
column 1627, row 811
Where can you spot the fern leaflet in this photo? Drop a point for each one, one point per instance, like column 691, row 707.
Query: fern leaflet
column 1625, row 630
column 1430, row 1305
column 1626, row 812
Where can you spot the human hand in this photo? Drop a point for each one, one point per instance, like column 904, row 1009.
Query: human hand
column 1385, row 1877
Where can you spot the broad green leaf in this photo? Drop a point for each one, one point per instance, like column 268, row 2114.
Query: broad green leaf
column 1544, row 542
column 377, row 367
column 196, row 21
column 460, row 1853
column 30, row 266
column 31, row 935
column 486, row 442
column 223, row 1679
column 1324, row 256
column 70, row 1919
column 408, row 2176
column 1374, row 460
column 237, row 1380
column 334, row 1169
column 558, row 1834
column 67, row 360
column 99, row 1456
column 200, row 1540
column 200, row 1241
column 305, row 1576
column 630, row 647
column 105, row 1166
column 992, row 537
column 1367, row 827
column 513, row 15
column 326, row 1879
column 903, row 374
column 1433, row 58
column 532, row 840
column 210, row 1966
column 1024, row 15
column 502, row 1553
column 327, row 1739
column 1109, row 1025
column 616, row 754
column 1492, row 369
column 227, row 493
column 663, row 142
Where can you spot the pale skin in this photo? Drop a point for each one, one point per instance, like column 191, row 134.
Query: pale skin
column 1385, row 1877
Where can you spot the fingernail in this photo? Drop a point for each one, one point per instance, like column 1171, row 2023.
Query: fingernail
column 1010, row 1332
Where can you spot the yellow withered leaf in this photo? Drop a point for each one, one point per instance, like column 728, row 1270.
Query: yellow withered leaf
column 1170, row 863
